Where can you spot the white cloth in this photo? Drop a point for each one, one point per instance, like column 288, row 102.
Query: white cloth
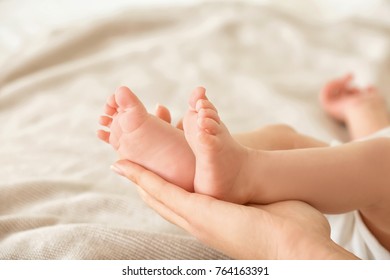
column 261, row 64
column 349, row 230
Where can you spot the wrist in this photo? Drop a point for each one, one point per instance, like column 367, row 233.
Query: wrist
column 333, row 251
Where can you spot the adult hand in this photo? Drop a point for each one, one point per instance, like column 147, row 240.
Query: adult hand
column 282, row 230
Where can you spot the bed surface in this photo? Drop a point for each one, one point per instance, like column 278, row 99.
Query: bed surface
column 261, row 63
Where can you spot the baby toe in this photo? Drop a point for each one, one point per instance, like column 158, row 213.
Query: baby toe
column 210, row 114
column 103, row 135
column 208, row 125
column 125, row 98
column 105, row 121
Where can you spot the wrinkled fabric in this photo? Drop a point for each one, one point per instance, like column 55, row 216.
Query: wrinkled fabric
column 261, row 64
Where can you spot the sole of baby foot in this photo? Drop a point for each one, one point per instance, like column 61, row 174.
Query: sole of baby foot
column 146, row 139
column 220, row 161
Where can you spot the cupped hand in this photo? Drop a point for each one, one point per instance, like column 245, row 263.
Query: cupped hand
column 282, row 230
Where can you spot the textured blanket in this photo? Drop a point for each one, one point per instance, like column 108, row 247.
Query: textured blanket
column 261, row 64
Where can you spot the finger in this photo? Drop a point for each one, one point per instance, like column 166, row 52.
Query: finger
column 173, row 197
column 348, row 77
column 338, row 86
column 171, row 202
column 346, row 84
column 163, row 211
column 208, row 233
column 163, row 113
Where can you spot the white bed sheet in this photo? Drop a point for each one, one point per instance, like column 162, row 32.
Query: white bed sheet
column 261, row 63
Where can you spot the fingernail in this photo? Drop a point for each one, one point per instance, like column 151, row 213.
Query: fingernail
column 117, row 170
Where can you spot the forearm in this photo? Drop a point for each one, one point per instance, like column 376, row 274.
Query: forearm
column 334, row 180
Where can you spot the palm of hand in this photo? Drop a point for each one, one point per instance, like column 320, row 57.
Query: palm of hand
column 300, row 230
column 283, row 230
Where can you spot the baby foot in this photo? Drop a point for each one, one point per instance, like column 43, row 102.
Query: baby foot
column 220, row 160
column 146, row 139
